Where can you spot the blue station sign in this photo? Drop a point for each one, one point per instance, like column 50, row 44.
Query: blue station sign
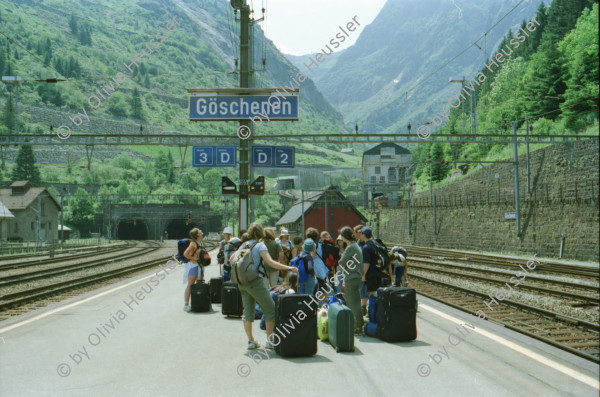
column 214, row 156
column 238, row 107
column 273, row 156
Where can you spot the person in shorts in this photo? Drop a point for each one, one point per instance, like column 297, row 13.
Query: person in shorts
column 192, row 271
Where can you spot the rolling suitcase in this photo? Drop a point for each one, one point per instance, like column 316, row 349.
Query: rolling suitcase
column 341, row 327
column 231, row 300
column 396, row 314
column 200, row 298
column 215, row 289
column 295, row 334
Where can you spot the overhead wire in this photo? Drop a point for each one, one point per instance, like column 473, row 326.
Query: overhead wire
column 463, row 51
column 32, row 54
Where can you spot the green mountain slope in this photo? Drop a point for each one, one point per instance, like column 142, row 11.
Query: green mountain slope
column 402, row 47
column 90, row 43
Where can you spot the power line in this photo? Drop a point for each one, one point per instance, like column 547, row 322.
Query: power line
column 463, row 51
column 33, row 55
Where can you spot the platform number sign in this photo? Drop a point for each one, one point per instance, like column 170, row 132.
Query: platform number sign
column 273, row 156
column 214, row 156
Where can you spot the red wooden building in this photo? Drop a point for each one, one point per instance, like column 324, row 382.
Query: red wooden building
column 327, row 210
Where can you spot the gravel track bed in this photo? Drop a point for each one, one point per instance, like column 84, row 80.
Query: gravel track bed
column 511, row 273
column 56, row 265
column 545, row 302
column 160, row 253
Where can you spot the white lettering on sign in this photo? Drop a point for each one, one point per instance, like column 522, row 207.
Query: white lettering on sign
column 225, row 157
column 284, row 158
column 262, row 157
column 203, row 158
column 244, row 182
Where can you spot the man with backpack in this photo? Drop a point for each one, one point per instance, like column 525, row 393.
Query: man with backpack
column 371, row 258
column 400, row 266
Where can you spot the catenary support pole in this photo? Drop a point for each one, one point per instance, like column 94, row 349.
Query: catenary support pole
column 518, row 204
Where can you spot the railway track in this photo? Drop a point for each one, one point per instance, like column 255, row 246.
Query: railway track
column 63, row 251
column 503, row 262
column 574, row 335
column 45, row 260
column 19, row 302
column 579, row 295
column 36, row 275
column 570, row 334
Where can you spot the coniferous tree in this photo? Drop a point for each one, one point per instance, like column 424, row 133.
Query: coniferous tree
column 136, row 105
column 25, row 169
column 147, row 82
column 8, row 116
column 47, row 59
column 73, row 25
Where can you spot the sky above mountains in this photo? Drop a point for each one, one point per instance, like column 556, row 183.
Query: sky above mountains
column 299, row 27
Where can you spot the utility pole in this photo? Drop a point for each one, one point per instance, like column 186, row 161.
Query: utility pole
column 245, row 82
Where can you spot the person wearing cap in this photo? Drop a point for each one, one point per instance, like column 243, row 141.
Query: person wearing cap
column 286, row 245
column 370, row 271
column 226, row 237
column 400, row 266
column 307, row 286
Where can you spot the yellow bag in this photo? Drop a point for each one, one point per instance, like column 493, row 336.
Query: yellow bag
column 323, row 325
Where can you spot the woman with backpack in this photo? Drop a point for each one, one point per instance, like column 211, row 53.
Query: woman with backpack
column 256, row 290
column 192, row 270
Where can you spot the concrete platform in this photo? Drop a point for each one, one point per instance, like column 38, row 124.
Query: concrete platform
column 153, row 348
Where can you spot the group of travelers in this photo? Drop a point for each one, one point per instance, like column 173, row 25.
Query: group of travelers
column 309, row 265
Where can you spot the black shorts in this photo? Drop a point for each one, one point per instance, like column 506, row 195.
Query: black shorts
column 372, row 283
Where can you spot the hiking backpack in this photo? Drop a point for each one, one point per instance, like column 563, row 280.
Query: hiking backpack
column 383, row 259
column 304, row 269
column 331, row 252
column 243, row 267
column 181, row 247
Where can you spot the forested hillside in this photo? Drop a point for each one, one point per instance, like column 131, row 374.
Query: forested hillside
column 552, row 77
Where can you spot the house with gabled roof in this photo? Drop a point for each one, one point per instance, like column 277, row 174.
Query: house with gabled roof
column 327, row 209
column 34, row 210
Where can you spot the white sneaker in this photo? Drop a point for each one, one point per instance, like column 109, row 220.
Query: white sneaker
column 253, row 345
column 187, row 308
column 269, row 345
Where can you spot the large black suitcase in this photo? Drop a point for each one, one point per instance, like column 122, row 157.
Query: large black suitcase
column 215, row 289
column 200, row 298
column 231, row 300
column 396, row 314
column 295, row 334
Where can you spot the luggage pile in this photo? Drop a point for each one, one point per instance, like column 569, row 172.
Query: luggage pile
column 393, row 315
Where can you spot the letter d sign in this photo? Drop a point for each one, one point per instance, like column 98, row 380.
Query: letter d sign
column 225, row 157
column 262, row 158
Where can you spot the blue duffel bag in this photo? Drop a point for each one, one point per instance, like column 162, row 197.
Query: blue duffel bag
column 370, row 329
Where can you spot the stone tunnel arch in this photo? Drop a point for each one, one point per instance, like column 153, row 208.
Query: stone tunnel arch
column 132, row 229
column 178, row 229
